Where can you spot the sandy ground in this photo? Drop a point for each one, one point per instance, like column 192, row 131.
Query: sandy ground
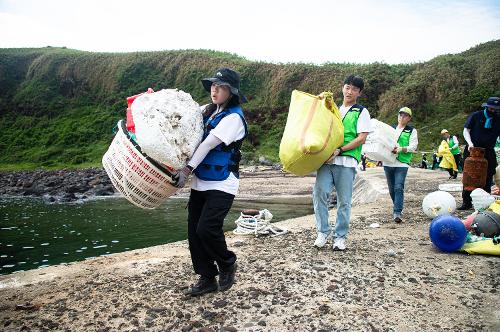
column 390, row 279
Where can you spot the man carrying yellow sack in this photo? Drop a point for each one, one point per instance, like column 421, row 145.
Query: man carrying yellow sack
column 339, row 171
column 448, row 161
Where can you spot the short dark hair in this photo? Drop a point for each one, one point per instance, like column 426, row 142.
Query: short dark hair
column 355, row 81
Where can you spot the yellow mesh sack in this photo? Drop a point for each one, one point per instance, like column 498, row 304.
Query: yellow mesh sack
column 313, row 131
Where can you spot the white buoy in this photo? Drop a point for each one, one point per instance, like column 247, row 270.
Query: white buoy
column 438, row 203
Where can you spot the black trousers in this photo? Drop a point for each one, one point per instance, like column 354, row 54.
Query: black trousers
column 490, row 156
column 451, row 171
column 207, row 243
column 458, row 161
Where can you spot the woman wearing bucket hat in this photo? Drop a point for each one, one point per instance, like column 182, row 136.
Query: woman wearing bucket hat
column 407, row 142
column 482, row 129
column 215, row 182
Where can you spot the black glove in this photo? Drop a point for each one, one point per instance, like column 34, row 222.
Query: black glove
column 182, row 176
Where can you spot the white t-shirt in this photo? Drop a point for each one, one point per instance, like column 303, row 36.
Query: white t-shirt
column 229, row 130
column 412, row 146
column 362, row 127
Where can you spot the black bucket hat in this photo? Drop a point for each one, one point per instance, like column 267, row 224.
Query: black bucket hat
column 225, row 76
column 492, row 102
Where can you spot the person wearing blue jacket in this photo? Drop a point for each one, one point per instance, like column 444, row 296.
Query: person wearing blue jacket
column 215, row 182
column 482, row 130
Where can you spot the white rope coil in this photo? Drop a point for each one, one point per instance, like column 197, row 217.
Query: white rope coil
column 259, row 224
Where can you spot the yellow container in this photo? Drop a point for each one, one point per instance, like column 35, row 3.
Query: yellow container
column 313, row 131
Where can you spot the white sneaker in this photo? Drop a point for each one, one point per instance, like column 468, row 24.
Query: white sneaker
column 321, row 240
column 339, row 244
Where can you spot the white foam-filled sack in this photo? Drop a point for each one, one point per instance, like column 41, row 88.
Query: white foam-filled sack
column 438, row 203
column 382, row 133
column 380, row 142
column 168, row 126
column 378, row 151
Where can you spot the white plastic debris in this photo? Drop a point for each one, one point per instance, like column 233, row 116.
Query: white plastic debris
column 391, row 253
column 438, row 203
column 168, row 126
column 380, row 142
column 451, row 187
column 481, row 199
column 374, row 225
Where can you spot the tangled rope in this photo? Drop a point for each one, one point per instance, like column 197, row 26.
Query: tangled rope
column 257, row 224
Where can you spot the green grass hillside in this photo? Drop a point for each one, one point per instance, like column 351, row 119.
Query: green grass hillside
column 58, row 106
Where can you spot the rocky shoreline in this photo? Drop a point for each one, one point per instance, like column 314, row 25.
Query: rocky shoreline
column 67, row 185
column 391, row 278
column 57, row 186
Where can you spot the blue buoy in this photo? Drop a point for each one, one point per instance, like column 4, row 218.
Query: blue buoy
column 448, row 233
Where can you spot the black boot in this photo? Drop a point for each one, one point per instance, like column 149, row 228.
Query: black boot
column 466, row 201
column 226, row 277
column 465, row 207
column 203, row 286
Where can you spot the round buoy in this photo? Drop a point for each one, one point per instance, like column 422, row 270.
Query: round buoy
column 438, row 203
column 487, row 224
column 448, row 233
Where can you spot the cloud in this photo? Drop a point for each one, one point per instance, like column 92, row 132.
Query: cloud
column 22, row 31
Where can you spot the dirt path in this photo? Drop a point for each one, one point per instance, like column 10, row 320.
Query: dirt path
column 390, row 279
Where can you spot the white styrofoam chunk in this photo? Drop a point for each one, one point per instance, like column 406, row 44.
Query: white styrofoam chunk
column 168, row 126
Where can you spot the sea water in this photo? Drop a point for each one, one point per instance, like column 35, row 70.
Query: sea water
column 34, row 234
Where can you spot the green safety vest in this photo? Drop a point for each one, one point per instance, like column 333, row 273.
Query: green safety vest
column 451, row 143
column 404, row 141
column 350, row 122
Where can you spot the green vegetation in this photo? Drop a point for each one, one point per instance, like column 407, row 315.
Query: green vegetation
column 58, row 106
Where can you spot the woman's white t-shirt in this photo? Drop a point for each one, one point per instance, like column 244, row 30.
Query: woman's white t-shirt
column 229, row 130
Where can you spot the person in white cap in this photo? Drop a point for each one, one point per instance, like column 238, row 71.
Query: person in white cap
column 407, row 142
column 454, row 149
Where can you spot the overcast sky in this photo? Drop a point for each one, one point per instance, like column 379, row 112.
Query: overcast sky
column 311, row 31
